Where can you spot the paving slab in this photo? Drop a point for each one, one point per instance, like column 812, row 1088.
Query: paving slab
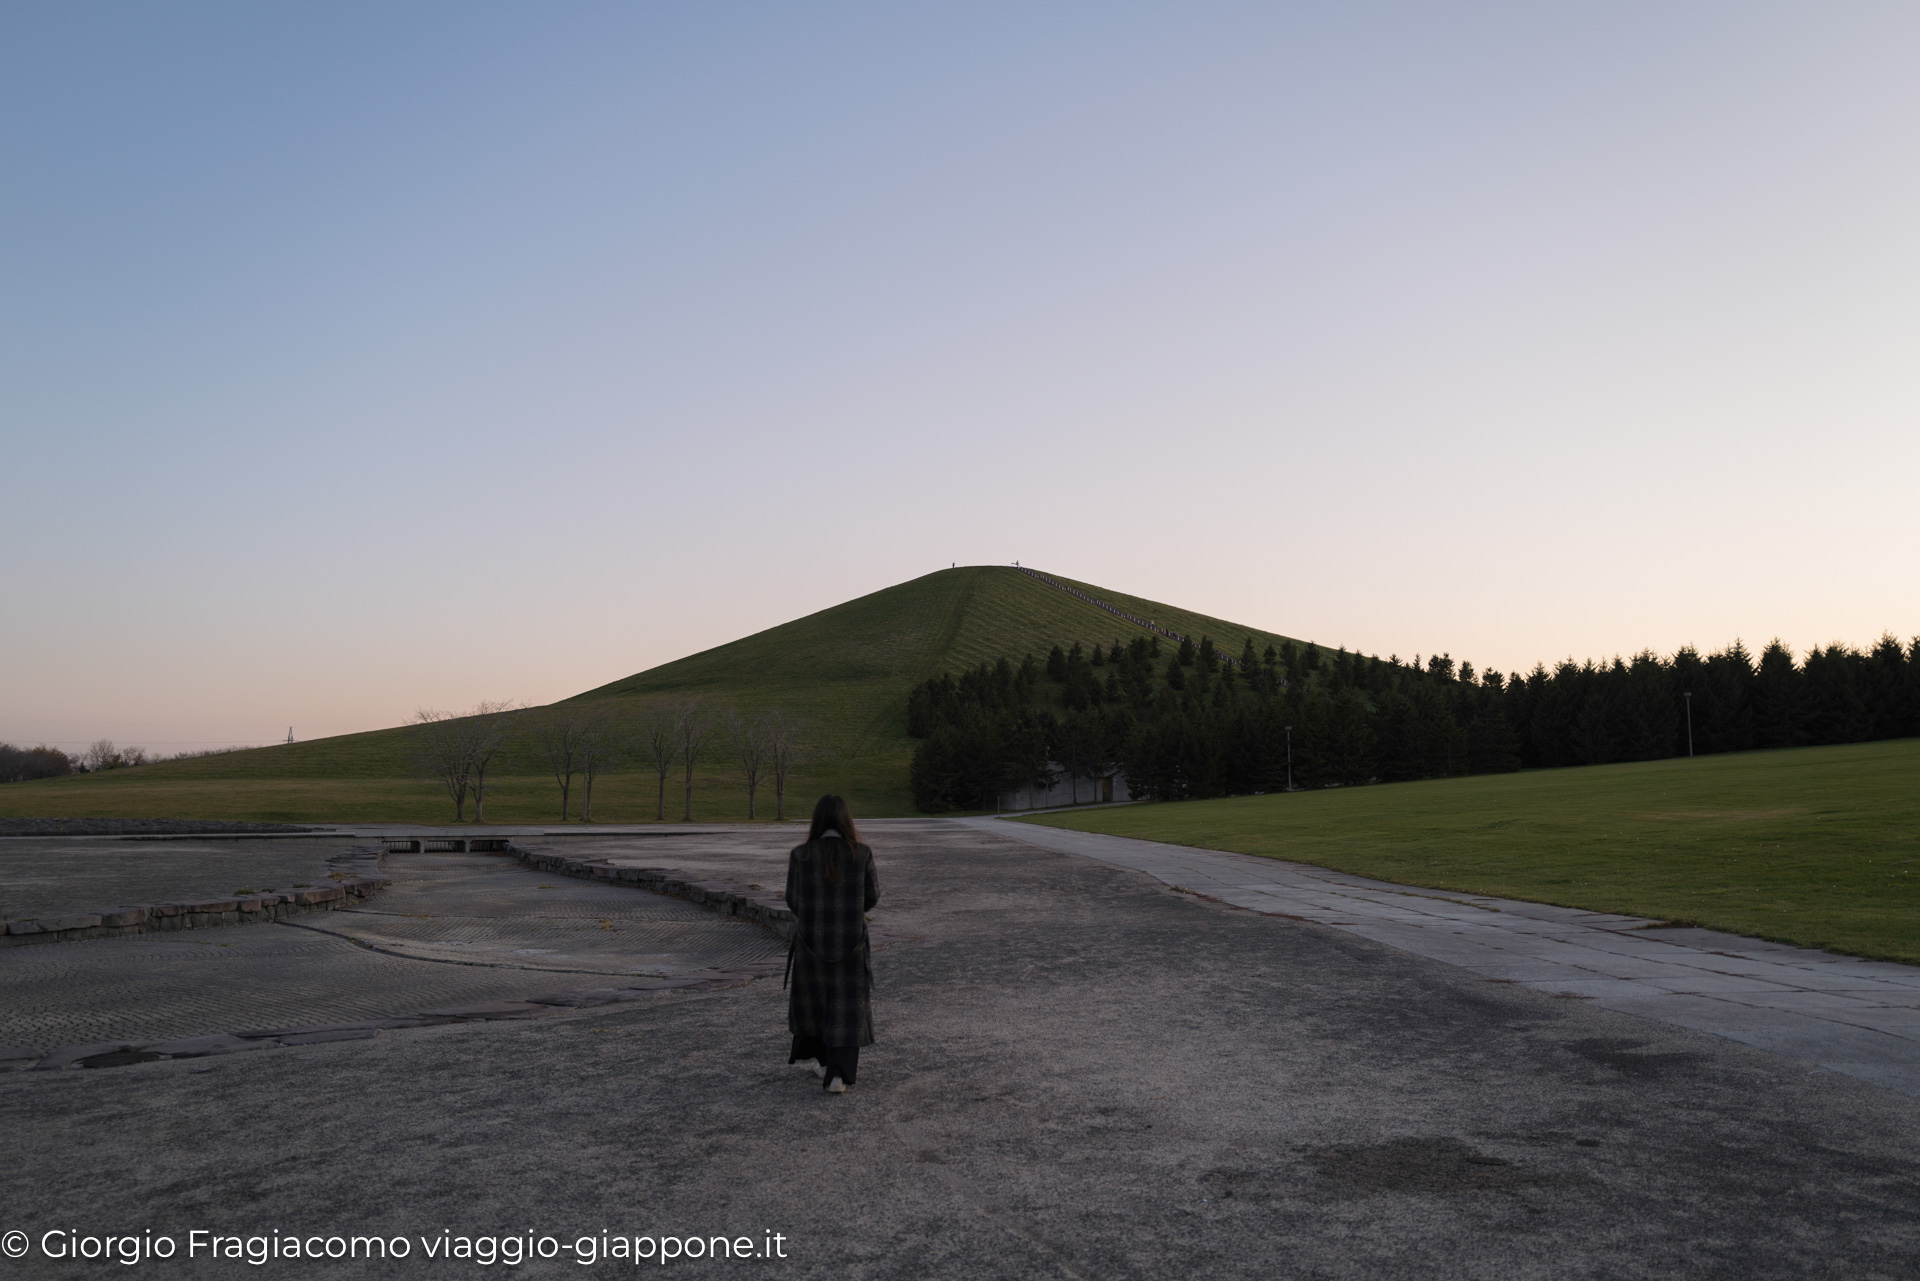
column 1750, row 987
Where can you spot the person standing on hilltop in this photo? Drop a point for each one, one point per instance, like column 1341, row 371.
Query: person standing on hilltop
column 830, row 888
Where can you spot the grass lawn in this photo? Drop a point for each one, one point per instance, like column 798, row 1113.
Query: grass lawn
column 1817, row 846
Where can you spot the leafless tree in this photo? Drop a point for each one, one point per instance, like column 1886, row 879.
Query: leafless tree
column 441, row 749
column 599, row 745
column 789, row 745
column 747, row 736
column 455, row 749
column 692, row 727
column 659, row 747
column 557, row 735
column 101, row 754
column 486, row 735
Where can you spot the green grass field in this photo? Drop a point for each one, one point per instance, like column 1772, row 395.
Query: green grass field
column 1817, row 846
column 847, row 669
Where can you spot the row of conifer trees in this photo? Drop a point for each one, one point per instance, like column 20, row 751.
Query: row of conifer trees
column 1193, row 722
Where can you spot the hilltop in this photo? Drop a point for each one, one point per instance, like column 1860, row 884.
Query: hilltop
column 847, row 669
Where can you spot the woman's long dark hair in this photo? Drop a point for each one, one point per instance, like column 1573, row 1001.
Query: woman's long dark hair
column 830, row 813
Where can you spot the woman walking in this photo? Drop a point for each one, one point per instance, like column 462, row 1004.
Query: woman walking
column 830, row 889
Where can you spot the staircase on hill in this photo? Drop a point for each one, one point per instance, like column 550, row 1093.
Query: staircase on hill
column 1115, row 610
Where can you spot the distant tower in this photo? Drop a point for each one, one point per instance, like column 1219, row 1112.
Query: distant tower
column 289, row 733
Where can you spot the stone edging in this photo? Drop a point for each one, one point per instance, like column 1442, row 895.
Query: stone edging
column 354, row 875
column 728, row 898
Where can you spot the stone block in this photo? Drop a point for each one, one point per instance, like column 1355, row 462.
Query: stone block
column 194, row 1047
column 119, row 1058
column 492, row 1010
column 579, row 998
column 124, row 917
column 85, row 921
column 336, row 1034
column 24, row 927
column 70, row 1055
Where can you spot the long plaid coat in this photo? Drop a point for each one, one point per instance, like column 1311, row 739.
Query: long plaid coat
column 832, row 965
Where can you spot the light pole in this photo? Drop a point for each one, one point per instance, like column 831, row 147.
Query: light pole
column 1689, row 697
column 1289, row 758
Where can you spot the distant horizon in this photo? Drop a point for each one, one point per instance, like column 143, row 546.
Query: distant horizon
column 172, row 749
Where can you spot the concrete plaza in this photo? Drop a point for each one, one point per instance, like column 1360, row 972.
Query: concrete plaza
column 1081, row 1072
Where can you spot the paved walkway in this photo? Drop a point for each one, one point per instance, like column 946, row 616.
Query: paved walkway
column 1852, row 1016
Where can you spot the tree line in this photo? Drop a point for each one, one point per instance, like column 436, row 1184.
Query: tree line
column 576, row 744
column 1186, row 723
column 22, row 764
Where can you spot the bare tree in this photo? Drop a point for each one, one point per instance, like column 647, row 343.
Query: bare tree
column 747, row 736
column 455, row 749
column 789, row 746
column 442, row 754
column 692, row 726
column 486, row 735
column 557, row 734
column 660, row 747
column 599, row 745
column 101, row 754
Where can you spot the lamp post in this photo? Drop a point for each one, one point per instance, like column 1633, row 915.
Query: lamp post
column 1289, row 758
column 1689, row 697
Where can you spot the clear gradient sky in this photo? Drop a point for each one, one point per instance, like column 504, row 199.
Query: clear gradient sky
column 355, row 357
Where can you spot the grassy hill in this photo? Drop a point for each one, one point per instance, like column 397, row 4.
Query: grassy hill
column 847, row 669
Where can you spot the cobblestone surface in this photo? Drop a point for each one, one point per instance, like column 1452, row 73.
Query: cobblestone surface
column 56, row 876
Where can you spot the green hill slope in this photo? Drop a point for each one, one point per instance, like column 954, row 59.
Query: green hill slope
column 847, row 669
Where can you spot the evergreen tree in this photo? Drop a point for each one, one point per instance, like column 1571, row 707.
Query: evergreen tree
column 1348, row 753
column 1057, row 665
column 1723, row 707
column 1492, row 746
column 1187, row 652
column 1395, row 738
column 1831, row 680
column 1779, row 706
column 1890, row 692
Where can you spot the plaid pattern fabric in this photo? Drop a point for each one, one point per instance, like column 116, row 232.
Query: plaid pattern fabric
column 832, row 970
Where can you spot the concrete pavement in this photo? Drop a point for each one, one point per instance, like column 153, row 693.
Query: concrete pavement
column 1080, row 1073
column 1845, row 1014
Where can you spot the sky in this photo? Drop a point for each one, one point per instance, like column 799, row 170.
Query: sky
column 356, row 358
